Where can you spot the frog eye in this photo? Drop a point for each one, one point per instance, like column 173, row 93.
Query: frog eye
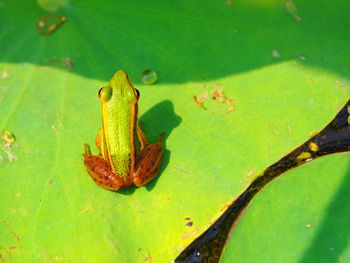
column 137, row 93
column 105, row 94
column 99, row 92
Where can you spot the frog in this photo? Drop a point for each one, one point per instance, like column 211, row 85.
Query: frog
column 126, row 158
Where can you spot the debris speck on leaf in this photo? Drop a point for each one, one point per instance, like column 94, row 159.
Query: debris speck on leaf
column 251, row 172
column 53, row 128
column 47, row 24
column 10, row 155
column 16, row 236
column 302, row 57
column 308, row 225
column 274, row 128
column 228, row 3
column 189, row 223
column 199, row 100
column 182, row 170
column 67, row 62
column 41, row 23
column 5, row 74
column 148, row 258
column 340, row 84
column 8, row 138
column 218, row 94
column 292, row 10
column 275, row 54
column 230, row 104
column 60, row 123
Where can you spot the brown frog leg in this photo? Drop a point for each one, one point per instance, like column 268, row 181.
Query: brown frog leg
column 101, row 172
column 149, row 162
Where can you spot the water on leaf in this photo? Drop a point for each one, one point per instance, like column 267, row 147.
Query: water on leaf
column 149, row 77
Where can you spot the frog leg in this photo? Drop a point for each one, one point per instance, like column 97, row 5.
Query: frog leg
column 100, row 145
column 101, row 172
column 99, row 139
column 142, row 137
column 148, row 163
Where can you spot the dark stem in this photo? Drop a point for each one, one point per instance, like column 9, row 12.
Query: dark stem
column 334, row 138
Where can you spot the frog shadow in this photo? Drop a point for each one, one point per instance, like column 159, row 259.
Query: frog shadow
column 160, row 118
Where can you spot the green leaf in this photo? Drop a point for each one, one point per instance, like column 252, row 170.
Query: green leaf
column 287, row 80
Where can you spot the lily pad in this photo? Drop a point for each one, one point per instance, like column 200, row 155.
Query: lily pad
column 287, row 78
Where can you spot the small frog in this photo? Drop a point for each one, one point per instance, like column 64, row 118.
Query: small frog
column 125, row 157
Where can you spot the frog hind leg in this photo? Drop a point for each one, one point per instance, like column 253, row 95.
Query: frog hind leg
column 149, row 163
column 101, row 172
